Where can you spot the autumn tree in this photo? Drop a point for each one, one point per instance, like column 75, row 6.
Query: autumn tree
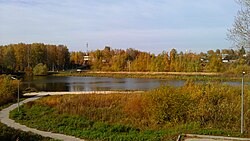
column 191, row 62
column 173, row 56
column 166, row 61
column 20, row 56
column 132, row 54
column 119, row 60
column 159, row 63
column 96, row 63
column 1, row 60
column 21, row 59
column 9, row 60
column 215, row 62
column 141, row 62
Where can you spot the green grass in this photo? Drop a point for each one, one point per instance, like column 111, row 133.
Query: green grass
column 48, row 119
column 36, row 117
column 11, row 134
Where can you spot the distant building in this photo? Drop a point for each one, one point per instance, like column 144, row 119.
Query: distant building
column 204, row 60
column 86, row 58
column 225, row 61
column 78, row 70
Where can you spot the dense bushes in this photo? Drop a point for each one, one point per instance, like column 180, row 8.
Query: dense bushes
column 211, row 105
column 8, row 88
column 163, row 112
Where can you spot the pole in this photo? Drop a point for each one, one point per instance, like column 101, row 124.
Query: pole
column 18, row 95
column 242, row 105
column 18, row 91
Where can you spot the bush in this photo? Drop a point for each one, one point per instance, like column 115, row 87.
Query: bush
column 8, row 89
column 40, row 69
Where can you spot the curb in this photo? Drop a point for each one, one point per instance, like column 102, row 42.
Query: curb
column 81, row 92
column 214, row 137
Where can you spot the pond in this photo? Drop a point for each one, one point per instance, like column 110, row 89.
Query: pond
column 72, row 83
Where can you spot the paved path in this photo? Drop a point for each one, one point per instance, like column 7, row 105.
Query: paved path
column 193, row 137
column 81, row 92
column 4, row 114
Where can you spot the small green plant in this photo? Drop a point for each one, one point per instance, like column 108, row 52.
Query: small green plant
column 40, row 69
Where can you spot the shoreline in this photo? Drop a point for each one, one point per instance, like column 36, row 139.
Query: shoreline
column 200, row 76
column 160, row 73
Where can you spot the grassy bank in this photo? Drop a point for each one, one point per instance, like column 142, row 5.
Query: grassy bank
column 11, row 134
column 49, row 118
column 160, row 114
column 159, row 75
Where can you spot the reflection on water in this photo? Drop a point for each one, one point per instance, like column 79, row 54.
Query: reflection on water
column 71, row 83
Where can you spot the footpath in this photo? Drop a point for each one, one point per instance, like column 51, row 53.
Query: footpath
column 193, row 137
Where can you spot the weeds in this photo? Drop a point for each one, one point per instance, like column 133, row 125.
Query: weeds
column 160, row 114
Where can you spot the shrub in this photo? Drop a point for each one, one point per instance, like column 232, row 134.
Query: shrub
column 8, row 89
column 40, row 69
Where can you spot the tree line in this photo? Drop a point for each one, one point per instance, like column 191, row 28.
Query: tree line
column 226, row 60
column 18, row 57
column 22, row 57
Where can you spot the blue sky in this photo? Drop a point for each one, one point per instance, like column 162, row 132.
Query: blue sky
column 147, row 25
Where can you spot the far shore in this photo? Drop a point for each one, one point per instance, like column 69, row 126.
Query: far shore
column 158, row 75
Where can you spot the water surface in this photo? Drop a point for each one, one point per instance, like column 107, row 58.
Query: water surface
column 73, row 83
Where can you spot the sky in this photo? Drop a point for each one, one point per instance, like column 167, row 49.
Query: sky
column 147, row 25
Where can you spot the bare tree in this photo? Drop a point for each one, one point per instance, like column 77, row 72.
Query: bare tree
column 239, row 34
